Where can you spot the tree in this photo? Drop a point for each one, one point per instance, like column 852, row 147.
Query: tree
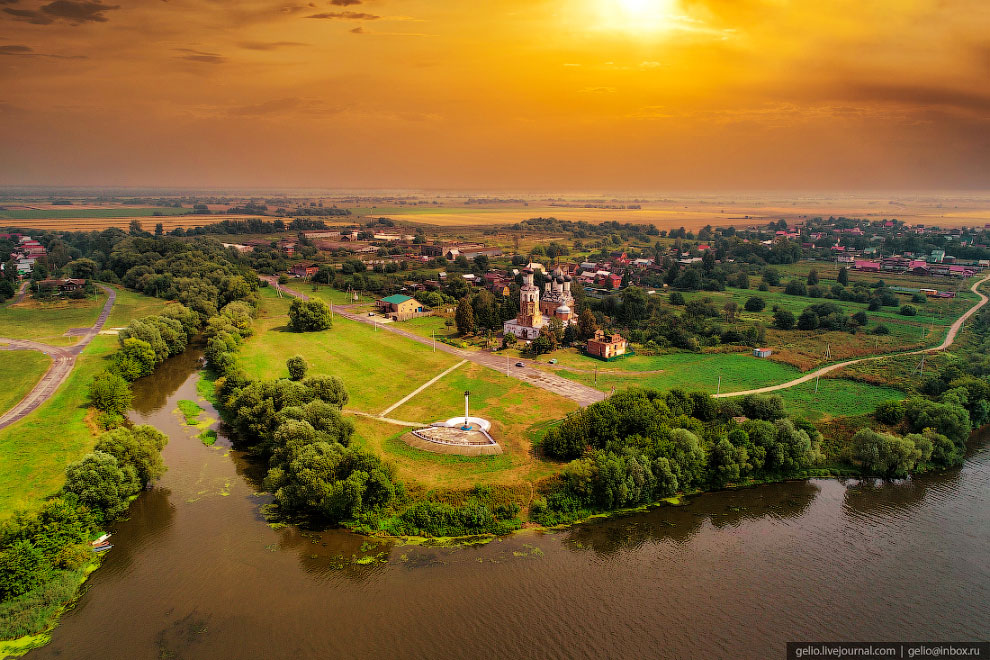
column 327, row 388
column 909, row 310
column 85, row 269
column 139, row 447
column 885, row 455
column 812, row 277
column 783, row 319
column 546, row 342
column 796, row 288
column 134, row 360
column 110, row 393
column 676, row 298
column 464, row 316
column 102, row 483
column 586, row 324
column 808, row 320
column 22, row 568
column 730, row 308
column 297, row 367
column 843, row 277
column 159, row 229
column 771, row 276
column 309, row 316
column 755, row 304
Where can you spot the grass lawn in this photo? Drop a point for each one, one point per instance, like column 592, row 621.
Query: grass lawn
column 690, row 371
column 328, row 294
column 378, row 367
column 47, row 321
column 19, row 372
column 131, row 305
column 836, row 397
column 35, row 451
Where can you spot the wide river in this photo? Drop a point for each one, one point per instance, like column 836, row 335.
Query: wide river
column 195, row 572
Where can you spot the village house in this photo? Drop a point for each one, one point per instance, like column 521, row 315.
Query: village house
column 605, row 346
column 401, row 308
column 304, row 270
column 62, row 286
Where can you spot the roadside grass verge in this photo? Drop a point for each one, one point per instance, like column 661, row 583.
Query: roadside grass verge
column 19, row 372
column 47, row 321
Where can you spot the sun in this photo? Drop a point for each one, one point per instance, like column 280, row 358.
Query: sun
column 643, row 17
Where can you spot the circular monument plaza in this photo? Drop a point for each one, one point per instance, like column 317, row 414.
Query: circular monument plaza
column 467, row 436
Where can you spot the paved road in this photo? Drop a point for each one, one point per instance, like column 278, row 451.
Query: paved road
column 582, row 394
column 950, row 337
column 63, row 360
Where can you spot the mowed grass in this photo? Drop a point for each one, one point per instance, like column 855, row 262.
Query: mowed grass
column 35, row 451
column 518, row 412
column 46, row 322
column 130, row 305
column 377, row 367
column 19, row 372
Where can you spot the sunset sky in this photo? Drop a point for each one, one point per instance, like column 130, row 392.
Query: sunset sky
column 530, row 95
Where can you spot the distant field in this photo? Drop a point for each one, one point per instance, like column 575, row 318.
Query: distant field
column 19, row 372
column 90, row 212
column 78, row 221
column 690, row 213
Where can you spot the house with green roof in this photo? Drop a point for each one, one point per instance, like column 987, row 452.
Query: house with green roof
column 401, row 308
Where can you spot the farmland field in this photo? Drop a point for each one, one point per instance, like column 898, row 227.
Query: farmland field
column 80, row 222
column 71, row 212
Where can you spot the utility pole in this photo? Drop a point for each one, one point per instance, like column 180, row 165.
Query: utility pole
column 434, row 341
column 718, row 390
column 816, row 383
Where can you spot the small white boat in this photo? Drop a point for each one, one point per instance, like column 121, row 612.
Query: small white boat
column 101, row 540
column 102, row 548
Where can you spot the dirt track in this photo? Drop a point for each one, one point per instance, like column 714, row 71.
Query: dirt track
column 63, row 360
column 949, row 338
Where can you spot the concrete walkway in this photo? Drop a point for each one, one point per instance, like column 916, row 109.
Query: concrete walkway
column 950, row 337
column 419, row 389
column 63, row 360
column 527, row 373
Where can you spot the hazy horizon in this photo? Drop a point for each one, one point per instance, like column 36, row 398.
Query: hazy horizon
column 623, row 95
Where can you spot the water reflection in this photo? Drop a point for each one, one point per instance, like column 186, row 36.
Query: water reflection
column 680, row 524
column 152, row 392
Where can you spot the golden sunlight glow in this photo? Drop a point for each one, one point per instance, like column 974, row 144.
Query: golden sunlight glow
column 639, row 16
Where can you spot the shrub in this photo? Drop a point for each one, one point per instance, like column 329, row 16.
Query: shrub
column 796, row 288
column 909, row 310
column 881, row 329
column 676, row 298
column 755, row 304
column 889, row 412
column 297, row 367
column 783, row 319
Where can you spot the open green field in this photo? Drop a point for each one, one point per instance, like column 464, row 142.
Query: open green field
column 130, row 305
column 328, row 294
column 378, row 367
column 19, row 372
column 35, row 451
column 46, row 322
column 836, row 397
column 518, row 412
column 70, row 212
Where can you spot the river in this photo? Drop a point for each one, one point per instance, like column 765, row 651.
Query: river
column 195, row 572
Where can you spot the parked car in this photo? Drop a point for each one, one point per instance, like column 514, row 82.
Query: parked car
column 553, row 361
column 520, row 364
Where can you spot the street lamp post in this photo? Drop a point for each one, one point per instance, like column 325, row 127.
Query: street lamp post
column 467, row 416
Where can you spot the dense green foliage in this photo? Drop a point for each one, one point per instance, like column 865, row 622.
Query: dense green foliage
column 642, row 445
column 43, row 554
column 309, row 315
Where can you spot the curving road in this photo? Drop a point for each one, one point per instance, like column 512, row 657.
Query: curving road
column 63, row 360
column 950, row 337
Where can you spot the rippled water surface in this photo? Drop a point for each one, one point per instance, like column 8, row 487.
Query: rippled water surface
column 196, row 573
